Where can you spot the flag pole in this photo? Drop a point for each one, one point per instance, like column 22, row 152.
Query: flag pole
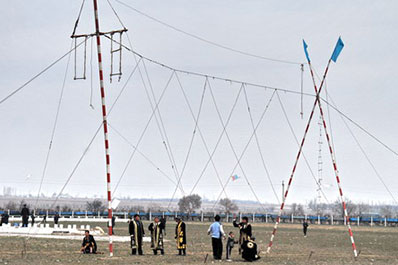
column 298, row 154
column 336, row 172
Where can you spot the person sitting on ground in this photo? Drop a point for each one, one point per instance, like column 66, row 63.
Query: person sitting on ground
column 89, row 246
column 230, row 245
column 249, row 250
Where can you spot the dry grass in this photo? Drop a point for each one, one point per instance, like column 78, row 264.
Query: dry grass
column 324, row 245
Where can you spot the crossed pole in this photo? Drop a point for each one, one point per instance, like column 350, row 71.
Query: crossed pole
column 336, row 52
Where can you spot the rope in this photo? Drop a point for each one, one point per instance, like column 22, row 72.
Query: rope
column 142, row 134
column 141, row 153
column 92, row 139
column 258, row 145
column 196, row 119
column 243, row 152
column 114, row 12
column 53, row 129
column 39, row 74
column 206, row 40
column 78, row 18
column 218, row 141
column 361, row 128
column 161, row 127
column 229, row 80
column 298, row 144
column 200, row 132
column 366, row 156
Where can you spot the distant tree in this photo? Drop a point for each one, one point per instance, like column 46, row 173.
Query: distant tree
column 361, row 208
column 95, row 206
column 66, row 208
column 387, row 211
column 228, row 205
column 190, row 203
column 11, row 205
column 297, row 209
column 338, row 207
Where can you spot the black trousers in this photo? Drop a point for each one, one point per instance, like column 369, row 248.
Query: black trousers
column 155, row 251
column 217, row 247
column 139, row 248
column 305, row 231
column 182, row 252
column 229, row 251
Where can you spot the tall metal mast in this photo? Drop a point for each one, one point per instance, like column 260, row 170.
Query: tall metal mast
column 105, row 126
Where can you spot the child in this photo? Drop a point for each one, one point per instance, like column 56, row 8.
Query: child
column 230, row 244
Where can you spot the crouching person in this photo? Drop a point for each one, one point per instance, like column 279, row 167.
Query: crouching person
column 249, row 250
column 89, row 246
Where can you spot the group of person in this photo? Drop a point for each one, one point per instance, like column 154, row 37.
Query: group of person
column 157, row 228
column 137, row 232
column 247, row 245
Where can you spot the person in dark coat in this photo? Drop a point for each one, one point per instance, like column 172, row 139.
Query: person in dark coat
column 249, row 250
column 181, row 236
column 89, row 246
column 305, row 227
column 157, row 228
column 245, row 230
column 136, row 230
column 4, row 218
column 25, row 215
column 56, row 218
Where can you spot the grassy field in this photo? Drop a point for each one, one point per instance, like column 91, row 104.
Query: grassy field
column 324, row 245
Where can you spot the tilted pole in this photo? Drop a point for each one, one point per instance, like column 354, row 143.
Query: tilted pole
column 105, row 126
column 336, row 172
column 295, row 164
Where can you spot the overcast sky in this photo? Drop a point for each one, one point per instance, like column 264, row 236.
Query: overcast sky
column 362, row 84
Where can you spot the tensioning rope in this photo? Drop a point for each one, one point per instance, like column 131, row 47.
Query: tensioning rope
column 206, row 40
column 190, row 143
column 258, row 145
column 53, row 129
column 39, row 74
column 243, row 153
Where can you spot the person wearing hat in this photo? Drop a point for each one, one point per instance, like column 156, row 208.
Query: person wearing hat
column 136, row 230
column 157, row 228
column 245, row 230
column 181, row 236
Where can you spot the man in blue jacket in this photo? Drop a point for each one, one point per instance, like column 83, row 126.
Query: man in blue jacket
column 217, row 233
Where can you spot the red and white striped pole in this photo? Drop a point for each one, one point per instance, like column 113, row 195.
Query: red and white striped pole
column 336, row 172
column 295, row 164
column 105, row 125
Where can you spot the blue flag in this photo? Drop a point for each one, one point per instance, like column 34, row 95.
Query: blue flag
column 337, row 49
column 306, row 52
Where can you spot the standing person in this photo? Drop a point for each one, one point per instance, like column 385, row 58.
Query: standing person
column 305, row 227
column 25, row 215
column 217, row 233
column 89, row 246
column 136, row 230
column 56, row 218
column 181, row 237
column 32, row 218
column 245, row 230
column 230, row 244
column 4, row 219
column 157, row 228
